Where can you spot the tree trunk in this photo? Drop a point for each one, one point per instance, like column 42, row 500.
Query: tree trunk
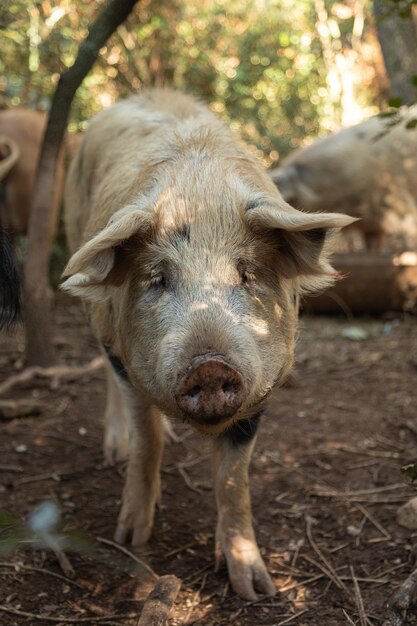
column 398, row 40
column 38, row 296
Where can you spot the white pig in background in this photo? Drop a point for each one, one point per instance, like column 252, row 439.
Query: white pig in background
column 192, row 266
column 367, row 170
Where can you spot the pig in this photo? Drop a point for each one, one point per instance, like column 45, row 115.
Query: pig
column 191, row 266
column 21, row 133
column 9, row 283
column 367, row 170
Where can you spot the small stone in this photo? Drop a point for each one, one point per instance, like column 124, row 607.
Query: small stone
column 407, row 514
column 355, row 333
column 353, row 531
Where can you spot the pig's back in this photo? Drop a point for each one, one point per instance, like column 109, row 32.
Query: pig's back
column 121, row 151
column 357, row 164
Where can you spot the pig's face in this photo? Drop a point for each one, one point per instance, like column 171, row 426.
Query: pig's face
column 204, row 289
column 212, row 321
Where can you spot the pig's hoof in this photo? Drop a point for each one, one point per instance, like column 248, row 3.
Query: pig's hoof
column 247, row 571
column 115, row 445
column 135, row 520
column 129, row 532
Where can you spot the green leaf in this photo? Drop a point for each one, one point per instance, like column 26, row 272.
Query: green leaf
column 395, row 102
column 409, row 472
column 8, row 545
column 406, row 12
column 388, row 113
column 7, row 520
column 411, row 123
column 10, row 542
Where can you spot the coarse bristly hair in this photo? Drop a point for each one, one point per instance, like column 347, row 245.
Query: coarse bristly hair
column 9, row 283
column 112, row 191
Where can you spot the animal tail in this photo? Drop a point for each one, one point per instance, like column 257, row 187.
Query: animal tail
column 10, row 305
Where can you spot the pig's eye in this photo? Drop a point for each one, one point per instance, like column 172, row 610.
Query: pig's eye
column 158, row 280
column 247, row 277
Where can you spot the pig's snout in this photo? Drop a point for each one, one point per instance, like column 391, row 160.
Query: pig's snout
column 211, row 390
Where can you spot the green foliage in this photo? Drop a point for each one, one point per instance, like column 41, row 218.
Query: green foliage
column 409, row 472
column 40, row 530
column 395, row 102
column 258, row 62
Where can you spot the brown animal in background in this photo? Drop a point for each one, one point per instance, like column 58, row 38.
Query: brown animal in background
column 367, row 170
column 192, row 265
column 21, row 133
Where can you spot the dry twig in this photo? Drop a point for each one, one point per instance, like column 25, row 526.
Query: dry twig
column 62, row 619
column 195, row 599
column 324, row 492
column 180, row 549
column 10, row 409
column 51, row 542
column 39, row 477
column 372, row 519
column 303, row 583
column 349, row 619
column 368, row 496
column 31, row 568
column 188, row 480
column 160, row 601
column 326, row 566
column 192, row 578
column 245, row 605
column 57, row 371
column 379, row 454
column 11, row 468
column 358, row 599
column 121, row 548
column 400, row 601
column 64, row 562
column 411, row 426
column 293, row 617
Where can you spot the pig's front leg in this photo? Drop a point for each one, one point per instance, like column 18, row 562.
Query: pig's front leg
column 142, row 487
column 235, row 537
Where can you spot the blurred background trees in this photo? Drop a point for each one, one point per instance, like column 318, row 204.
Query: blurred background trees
column 279, row 70
column 396, row 30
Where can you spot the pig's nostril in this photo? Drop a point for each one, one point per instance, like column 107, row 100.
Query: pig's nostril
column 228, row 389
column 195, row 391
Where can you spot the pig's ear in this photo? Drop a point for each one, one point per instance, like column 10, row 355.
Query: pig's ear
column 302, row 240
column 89, row 270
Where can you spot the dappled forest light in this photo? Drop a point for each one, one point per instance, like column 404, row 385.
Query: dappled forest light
column 280, row 71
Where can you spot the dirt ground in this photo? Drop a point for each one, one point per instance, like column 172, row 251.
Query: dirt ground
column 325, row 480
